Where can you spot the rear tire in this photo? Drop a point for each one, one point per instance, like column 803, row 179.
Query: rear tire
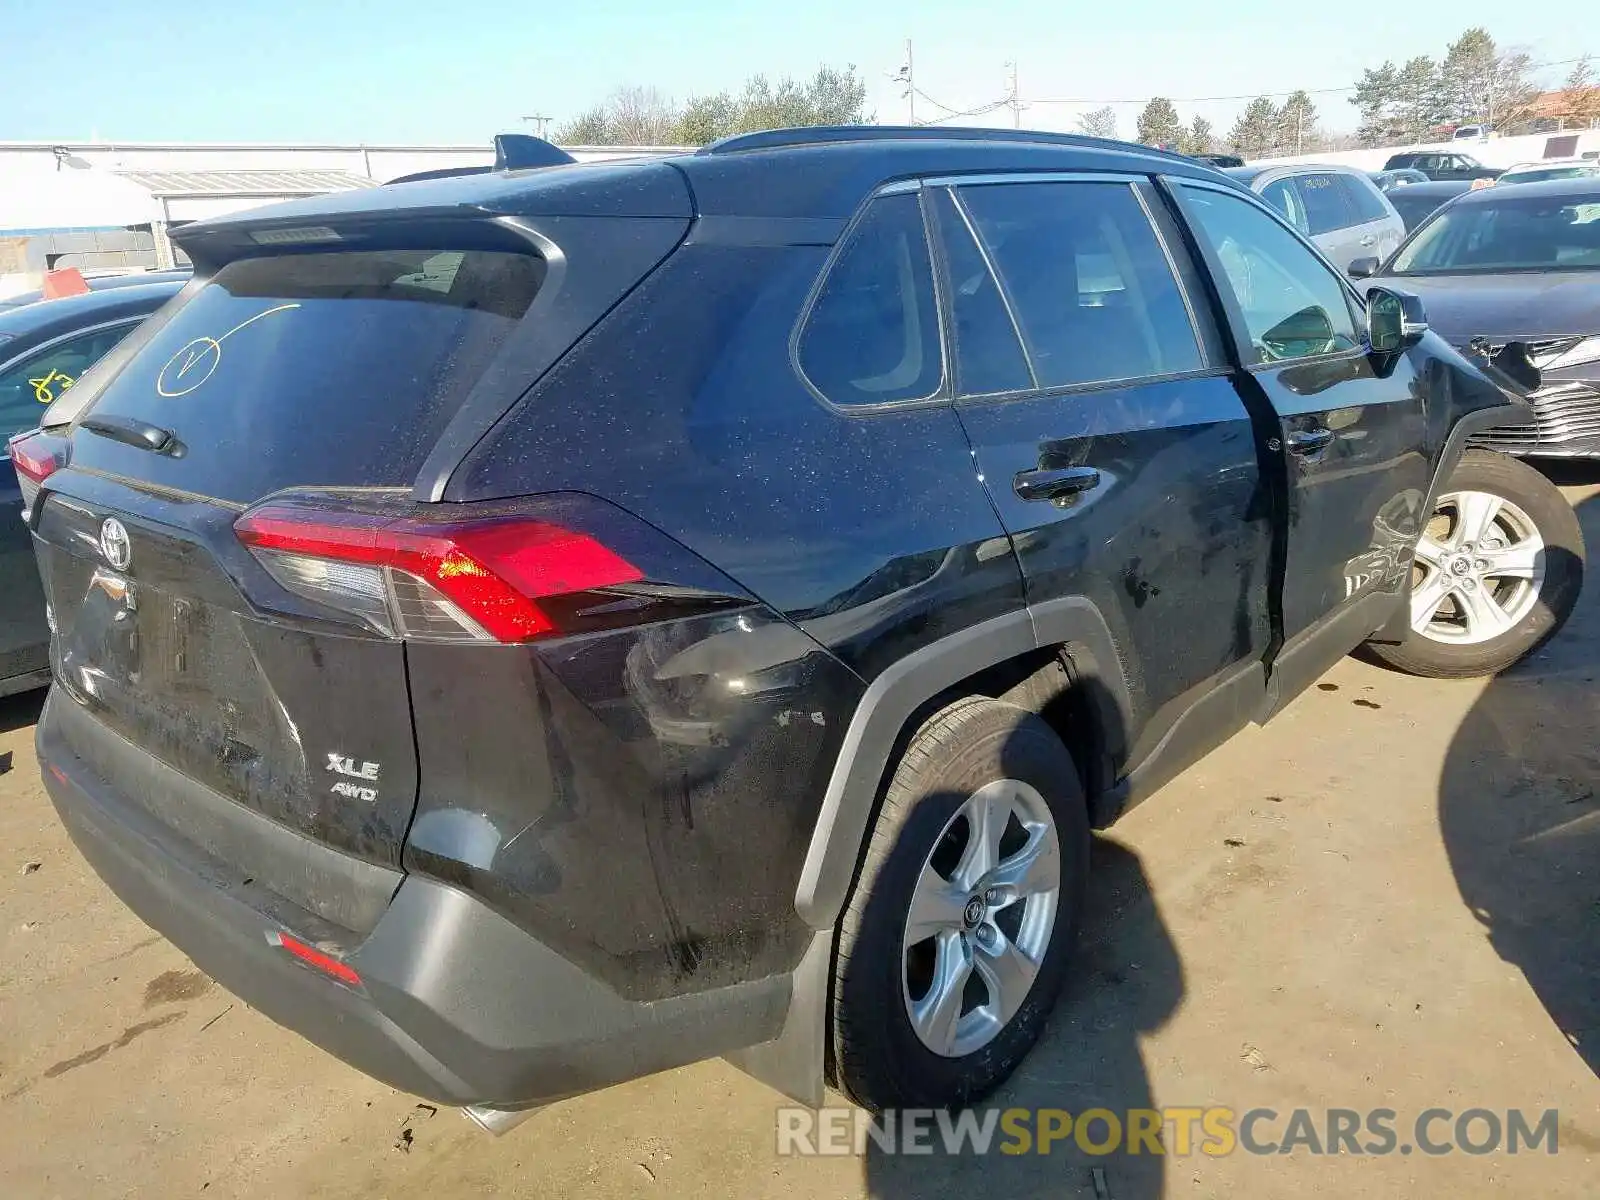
column 999, row 911
column 1497, row 572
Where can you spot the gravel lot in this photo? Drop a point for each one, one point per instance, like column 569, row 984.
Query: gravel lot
column 1389, row 897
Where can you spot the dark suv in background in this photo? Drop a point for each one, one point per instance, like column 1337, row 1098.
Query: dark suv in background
column 1442, row 164
column 528, row 630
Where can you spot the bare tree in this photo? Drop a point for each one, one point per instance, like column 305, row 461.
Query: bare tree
column 641, row 116
column 1580, row 97
column 1101, row 123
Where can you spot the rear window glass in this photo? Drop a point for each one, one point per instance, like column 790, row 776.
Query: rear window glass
column 335, row 368
column 1324, row 201
column 1363, row 198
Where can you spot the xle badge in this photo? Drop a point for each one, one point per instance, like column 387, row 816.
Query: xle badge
column 367, row 772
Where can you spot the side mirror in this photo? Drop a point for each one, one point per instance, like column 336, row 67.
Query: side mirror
column 1362, row 268
column 1395, row 321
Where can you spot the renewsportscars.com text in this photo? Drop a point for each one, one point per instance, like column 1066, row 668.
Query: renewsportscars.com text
column 1178, row 1131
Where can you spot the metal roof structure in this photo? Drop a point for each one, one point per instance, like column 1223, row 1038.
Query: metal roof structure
column 185, row 184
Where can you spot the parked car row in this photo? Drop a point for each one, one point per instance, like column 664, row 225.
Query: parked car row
column 1522, row 263
column 44, row 349
column 529, row 629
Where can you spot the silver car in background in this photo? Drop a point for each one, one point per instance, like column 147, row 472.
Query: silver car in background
column 1339, row 208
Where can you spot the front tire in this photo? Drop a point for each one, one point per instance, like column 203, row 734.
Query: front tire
column 957, row 936
column 1497, row 572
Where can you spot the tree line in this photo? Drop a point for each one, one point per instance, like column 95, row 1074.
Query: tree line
column 642, row 116
column 1476, row 82
column 1262, row 129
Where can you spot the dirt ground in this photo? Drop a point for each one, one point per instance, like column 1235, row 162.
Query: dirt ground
column 1388, row 897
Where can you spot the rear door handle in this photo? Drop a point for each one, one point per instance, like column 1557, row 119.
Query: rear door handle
column 1309, row 441
column 1057, row 484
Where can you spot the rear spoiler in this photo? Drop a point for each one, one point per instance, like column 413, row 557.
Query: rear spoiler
column 512, row 152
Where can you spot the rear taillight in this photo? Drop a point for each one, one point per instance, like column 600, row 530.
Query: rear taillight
column 36, row 456
column 476, row 580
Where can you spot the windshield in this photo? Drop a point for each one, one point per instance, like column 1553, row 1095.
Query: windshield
column 1414, row 209
column 1536, row 233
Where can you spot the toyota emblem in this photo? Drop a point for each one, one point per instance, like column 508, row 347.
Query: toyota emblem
column 114, row 544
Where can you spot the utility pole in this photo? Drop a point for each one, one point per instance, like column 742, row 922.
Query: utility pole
column 540, row 124
column 1016, row 98
column 911, row 88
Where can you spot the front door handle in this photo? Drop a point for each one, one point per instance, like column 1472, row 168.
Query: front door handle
column 1309, row 441
column 1058, row 484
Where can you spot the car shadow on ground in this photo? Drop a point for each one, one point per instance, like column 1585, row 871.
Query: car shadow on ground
column 1520, row 815
column 19, row 712
column 1126, row 981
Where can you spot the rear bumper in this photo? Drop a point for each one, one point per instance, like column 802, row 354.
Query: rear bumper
column 456, row 1004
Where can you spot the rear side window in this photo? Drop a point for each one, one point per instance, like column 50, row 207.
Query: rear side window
column 30, row 384
column 873, row 333
column 1285, row 197
column 1088, row 281
column 1363, row 198
column 338, row 368
column 1324, row 201
column 988, row 351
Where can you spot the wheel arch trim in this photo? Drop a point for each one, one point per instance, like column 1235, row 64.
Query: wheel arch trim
column 894, row 697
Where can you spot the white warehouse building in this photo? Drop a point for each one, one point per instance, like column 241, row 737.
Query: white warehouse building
column 107, row 207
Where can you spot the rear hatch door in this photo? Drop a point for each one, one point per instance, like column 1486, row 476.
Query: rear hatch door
column 331, row 366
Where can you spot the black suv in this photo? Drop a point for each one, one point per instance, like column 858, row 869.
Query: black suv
column 529, row 630
column 1442, row 165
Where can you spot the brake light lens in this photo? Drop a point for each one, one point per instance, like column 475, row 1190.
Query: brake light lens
column 36, row 456
column 334, row 968
column 424, row 580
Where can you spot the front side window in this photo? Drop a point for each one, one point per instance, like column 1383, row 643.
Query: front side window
column 1087, row 279
column 30, row 385
column 1324, row 201
column 1292, row 304
column 873, row 333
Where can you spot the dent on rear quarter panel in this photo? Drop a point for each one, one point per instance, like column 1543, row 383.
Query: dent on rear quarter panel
column 639, row 800
column 689, row 764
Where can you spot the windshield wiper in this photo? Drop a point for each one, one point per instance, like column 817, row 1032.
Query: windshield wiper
column 132, row 432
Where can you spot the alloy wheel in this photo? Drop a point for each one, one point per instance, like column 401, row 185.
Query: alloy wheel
column 1478, row 570
column 981, row 918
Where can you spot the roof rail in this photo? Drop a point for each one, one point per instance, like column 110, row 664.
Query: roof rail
column 817, row 135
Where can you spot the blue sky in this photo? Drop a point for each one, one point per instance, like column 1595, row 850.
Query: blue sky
column 459, row 71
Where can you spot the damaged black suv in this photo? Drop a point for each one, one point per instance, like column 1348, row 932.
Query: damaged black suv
column 535, row 628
